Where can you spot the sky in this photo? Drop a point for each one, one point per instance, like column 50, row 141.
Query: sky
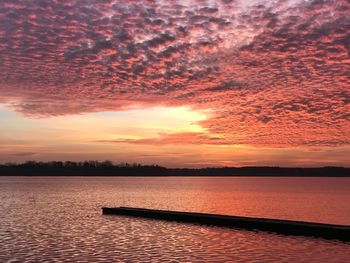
column 179, row 83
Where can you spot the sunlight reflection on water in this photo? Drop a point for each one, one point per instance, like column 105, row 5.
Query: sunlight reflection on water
column 60, row 219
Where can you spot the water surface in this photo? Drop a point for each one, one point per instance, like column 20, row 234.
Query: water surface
column 59, row 218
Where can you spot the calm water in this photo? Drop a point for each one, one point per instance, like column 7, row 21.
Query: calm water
column 59, row 219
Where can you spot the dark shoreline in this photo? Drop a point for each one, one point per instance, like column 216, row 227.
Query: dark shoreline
column 102, row 169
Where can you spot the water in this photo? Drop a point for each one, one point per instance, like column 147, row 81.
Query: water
column 59, row 219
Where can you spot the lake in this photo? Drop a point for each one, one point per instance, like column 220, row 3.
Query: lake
column 59, row 219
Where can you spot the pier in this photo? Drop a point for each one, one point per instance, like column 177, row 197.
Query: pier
column 288, row 227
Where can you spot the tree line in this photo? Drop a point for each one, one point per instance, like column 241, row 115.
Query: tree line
column 81, row 164
column 108, row 168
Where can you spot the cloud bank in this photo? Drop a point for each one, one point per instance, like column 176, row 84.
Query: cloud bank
column 273, row 73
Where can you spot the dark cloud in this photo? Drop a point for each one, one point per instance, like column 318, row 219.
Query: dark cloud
column 227, row 86
column 177, row 138
column 24, row 154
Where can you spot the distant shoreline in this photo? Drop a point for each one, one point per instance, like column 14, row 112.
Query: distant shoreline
column 95, row 168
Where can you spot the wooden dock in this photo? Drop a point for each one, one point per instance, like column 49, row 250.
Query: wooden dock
column 287, row 227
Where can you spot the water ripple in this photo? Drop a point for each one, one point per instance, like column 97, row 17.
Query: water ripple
column 60, row 221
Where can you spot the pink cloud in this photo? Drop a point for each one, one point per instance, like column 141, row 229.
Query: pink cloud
column 274, row 75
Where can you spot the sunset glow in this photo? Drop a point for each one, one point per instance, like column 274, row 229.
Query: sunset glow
column 176, row 83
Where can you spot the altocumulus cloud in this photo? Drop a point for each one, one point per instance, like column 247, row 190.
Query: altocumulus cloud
column 274, row 73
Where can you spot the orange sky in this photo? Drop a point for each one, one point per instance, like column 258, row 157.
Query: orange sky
column 184, row 83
